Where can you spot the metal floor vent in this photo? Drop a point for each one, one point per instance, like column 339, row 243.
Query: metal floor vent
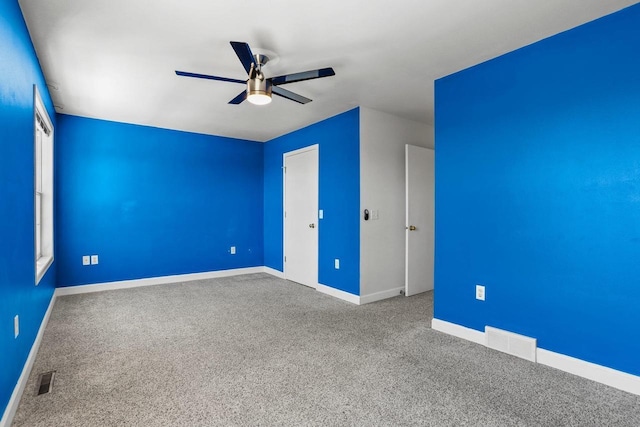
column 45, row 382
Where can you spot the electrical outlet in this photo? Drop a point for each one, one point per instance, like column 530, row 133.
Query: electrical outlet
column 86, row 260
column 233, row 250
column 480, row 292
column 16, row 326
column 94, row 259
column 337, row 264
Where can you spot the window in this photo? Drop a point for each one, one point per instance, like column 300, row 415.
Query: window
column 43, row 187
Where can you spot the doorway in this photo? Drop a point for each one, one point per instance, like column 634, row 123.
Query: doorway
column 420, row 219
column 300, row 176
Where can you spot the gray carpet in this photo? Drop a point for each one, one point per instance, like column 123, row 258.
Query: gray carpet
column 256, row 350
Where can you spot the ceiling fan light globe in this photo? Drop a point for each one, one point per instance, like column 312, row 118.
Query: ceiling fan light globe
column 259, row 98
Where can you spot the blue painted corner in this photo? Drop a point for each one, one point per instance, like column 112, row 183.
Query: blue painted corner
column 154, row 202
column 339, row 197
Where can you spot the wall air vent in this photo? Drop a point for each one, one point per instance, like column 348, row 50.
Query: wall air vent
column 510, row 343
column 45, row 382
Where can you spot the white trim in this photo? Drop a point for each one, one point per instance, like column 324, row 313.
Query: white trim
column 337, row 293
column 301, row 150
column 273, row 272
column 124, row 284
column 12, row 406
column 591, row 371
column 458, row 331
column 42, row 266
column 136, row 283
column 602, row 374
column 389, row 293
column 43, row 263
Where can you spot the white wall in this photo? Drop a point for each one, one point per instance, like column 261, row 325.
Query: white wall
column 382, row 188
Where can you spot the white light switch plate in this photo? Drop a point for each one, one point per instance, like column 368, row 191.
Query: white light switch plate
column 337, row 264
column 86, row 260
column 94, row 259
column 233, row 250
column 480, row 292
column 320, row 214
column 16, row 326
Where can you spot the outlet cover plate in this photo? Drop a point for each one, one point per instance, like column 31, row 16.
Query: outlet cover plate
column 480, row 292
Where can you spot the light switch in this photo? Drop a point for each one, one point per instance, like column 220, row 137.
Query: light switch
column 86, row 260
column 233, row 250
column 337, row 264
column 320, row 214
column 94, row 259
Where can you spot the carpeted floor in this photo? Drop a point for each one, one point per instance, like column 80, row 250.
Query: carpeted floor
column 257, row 350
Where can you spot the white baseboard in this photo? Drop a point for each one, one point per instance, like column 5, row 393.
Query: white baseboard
column 273, row 272
column 337, row 293
column 14, row 401
column 389, row 293
column 602, row 374
column 123, row 284
column 598, row 373
column 458, row 331
column 151, row 281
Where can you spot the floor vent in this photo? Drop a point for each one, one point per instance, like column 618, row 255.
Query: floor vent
column 45, row 382
column 508, row 342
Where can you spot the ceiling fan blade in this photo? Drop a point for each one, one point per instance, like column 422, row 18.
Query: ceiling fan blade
column 244, row 54
column 206, row 76
column 289, row 95
column 305, row 75
column 238, row 99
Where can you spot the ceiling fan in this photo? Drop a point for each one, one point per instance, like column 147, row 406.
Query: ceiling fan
column 259, row 88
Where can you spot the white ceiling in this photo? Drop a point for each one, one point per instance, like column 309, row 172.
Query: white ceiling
column 115, row 59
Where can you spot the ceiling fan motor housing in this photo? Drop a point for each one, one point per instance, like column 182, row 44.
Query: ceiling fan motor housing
column 259, row 86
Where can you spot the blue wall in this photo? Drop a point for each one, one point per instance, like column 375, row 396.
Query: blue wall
column 538, row 193
column 339, row 196
column 19, row 71
column 154, row 202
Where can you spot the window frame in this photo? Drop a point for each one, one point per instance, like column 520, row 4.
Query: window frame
column 42, row 187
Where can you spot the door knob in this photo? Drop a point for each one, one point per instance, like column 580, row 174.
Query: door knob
column 412, row 228
column 312, row 225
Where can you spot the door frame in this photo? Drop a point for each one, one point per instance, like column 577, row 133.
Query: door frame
column 313, row 147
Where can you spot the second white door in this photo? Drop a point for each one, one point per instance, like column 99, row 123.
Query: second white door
column 420, row 182
column 301, row 216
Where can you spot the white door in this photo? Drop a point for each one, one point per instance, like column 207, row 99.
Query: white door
column 301, row 216
column 420, row 224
